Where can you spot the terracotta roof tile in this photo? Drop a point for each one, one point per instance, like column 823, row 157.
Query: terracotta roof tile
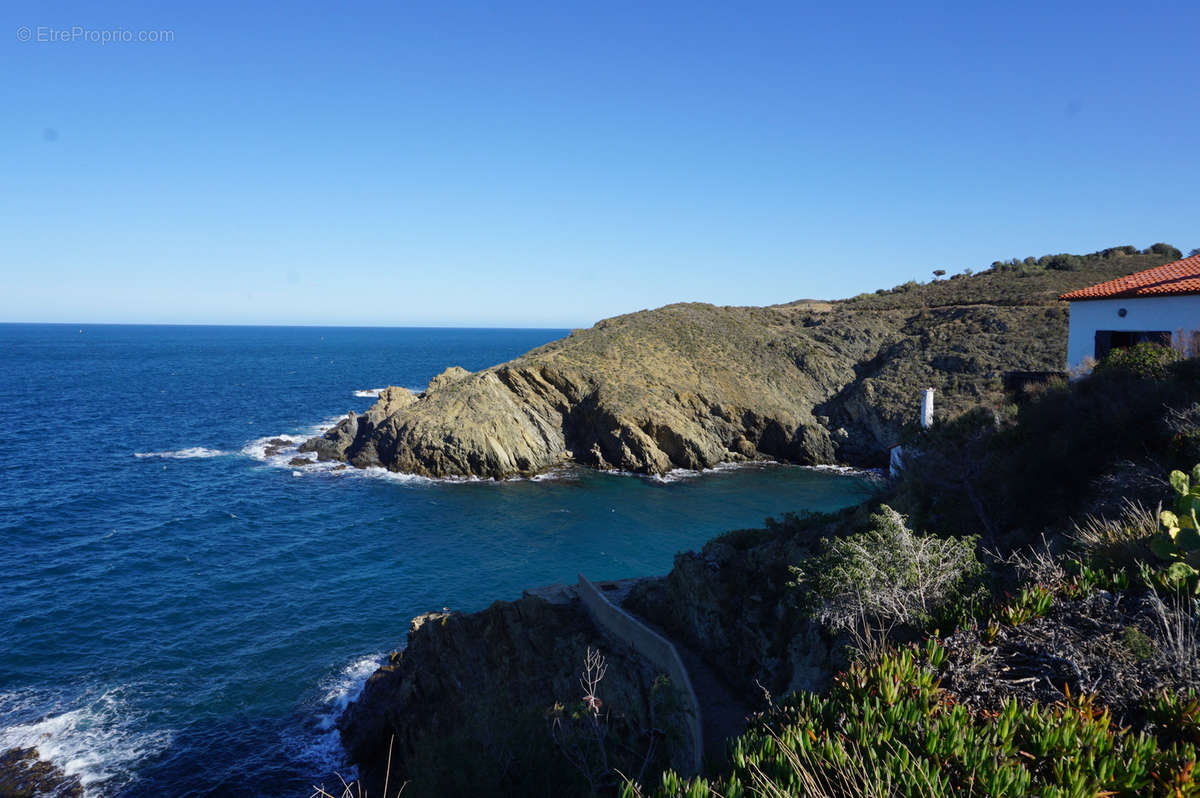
column 1170, row 279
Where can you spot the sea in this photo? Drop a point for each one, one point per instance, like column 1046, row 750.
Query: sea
column 183, row 613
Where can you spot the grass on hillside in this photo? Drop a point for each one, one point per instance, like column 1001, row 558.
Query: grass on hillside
column 1018, row 282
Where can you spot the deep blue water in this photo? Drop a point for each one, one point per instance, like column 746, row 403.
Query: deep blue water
column 180, row 615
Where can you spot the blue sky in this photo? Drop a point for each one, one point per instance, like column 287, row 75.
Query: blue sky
column 530, row 164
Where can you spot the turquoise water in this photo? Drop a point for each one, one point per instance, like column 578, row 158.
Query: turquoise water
column 182, row 615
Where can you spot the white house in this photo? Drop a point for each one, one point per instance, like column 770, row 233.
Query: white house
column 1152, row 305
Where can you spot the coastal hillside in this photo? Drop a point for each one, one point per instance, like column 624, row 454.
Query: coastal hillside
column 1038, row 641
column 695, row 385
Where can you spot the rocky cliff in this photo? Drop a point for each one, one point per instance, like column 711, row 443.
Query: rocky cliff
column 488, row 703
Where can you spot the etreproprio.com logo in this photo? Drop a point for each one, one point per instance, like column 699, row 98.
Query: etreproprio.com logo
column 49, row 34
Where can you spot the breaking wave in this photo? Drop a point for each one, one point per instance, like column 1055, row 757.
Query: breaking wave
column 323, row 748
column 100, row 742
column 190, row 453
column 373, row 393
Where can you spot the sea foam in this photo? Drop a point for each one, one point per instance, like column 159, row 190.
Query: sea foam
column 257, row 448
column 323, row 748
column 373, row 393
column 100, row 741
column 850, row 471
column 190, row 453
column 346, row 686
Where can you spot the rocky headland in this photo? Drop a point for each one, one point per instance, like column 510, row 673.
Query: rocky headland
column 694, row 385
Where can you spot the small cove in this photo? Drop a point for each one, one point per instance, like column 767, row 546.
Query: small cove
column 181, row 616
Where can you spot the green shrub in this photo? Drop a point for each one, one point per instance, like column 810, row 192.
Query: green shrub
column 741, row 539
column 1019, row 281
column 1164, row 249
column 886, row 576
column 1138, row 643
column 1172, row 581
column 1063, row 262
column 1176, row 718
column 1140, row 360
column 1086, row 577
column 1117, row 252
column 1101, row 438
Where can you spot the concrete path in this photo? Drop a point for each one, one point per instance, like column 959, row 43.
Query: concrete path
column 722, row 713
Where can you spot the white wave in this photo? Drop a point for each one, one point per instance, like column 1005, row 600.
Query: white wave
column 373, row 393
column 324, row 747
column 346, row 686
column 100, row 742
column 191, row 453
column 564, row 471
column 321, row 427
column 337, row 469
column 377, row 472
column 257, row 448
column 553, row 475
column 681, row 474
column 850, row 471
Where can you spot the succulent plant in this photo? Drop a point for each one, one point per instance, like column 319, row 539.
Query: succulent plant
column 886, row 727
column 1180, row 538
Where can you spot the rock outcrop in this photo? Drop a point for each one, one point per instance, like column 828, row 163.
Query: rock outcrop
column 446, row 378
column 682, row 386
column 24, row 775
column 467, row 708
column 358, row 431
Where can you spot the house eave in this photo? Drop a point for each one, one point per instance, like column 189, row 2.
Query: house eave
column 1126, row 295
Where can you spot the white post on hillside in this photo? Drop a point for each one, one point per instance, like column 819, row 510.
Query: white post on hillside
column 927, row 409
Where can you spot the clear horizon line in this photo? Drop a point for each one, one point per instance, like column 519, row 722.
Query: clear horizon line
column 447, row 326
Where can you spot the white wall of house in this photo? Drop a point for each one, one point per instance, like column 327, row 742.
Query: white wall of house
column 1169, row 313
